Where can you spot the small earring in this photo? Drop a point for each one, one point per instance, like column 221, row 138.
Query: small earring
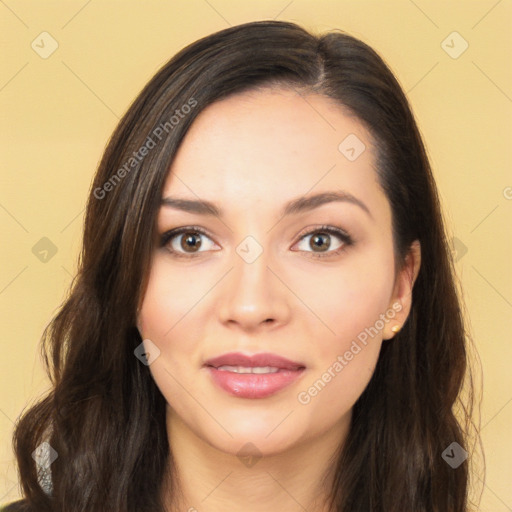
column 395, row 328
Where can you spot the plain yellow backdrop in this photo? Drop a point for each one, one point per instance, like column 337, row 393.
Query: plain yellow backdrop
column 452, row 58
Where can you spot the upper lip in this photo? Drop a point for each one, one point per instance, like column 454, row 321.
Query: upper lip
column 254, row 360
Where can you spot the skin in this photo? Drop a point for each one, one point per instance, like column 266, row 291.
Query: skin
column 250, row 154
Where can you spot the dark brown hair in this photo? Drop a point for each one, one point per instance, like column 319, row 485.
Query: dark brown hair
column 105, row 416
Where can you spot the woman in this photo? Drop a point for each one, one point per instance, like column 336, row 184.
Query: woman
column 265, row 315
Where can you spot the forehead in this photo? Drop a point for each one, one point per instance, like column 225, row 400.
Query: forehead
column 263, row 147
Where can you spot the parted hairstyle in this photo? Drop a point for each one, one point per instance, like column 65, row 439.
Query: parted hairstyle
column 104, row 415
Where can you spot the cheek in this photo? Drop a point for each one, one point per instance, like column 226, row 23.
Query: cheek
column 167, row 319
column 348, row 301
column 170, row 296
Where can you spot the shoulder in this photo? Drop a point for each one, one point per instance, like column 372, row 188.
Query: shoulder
column 16, row 506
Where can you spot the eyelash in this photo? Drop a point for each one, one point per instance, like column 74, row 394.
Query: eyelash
column 347, row 240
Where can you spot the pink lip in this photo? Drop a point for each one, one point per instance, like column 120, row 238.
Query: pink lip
column 264, row 359
column 252, row 385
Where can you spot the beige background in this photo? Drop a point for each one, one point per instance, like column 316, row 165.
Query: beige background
column 58, row 112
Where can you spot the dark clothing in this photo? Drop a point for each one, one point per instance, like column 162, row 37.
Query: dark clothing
column 16, row 506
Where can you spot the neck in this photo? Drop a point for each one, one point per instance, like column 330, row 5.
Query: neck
column 205, row 479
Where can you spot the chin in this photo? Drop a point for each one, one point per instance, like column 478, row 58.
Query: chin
column 254, row 444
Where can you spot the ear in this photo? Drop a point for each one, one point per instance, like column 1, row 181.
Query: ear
column 401, row 300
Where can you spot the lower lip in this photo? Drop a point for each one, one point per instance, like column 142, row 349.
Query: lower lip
column 254, row 385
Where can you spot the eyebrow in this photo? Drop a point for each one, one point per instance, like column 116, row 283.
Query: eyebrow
column 293, row 207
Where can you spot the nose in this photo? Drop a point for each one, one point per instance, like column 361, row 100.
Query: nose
column 253, row 296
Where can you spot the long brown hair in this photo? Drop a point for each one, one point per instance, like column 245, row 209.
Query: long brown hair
column 104, row 415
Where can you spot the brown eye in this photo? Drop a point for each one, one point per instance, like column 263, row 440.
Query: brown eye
column 186, row 242
column 320, row 241
column 190, row 241
column 324, row 242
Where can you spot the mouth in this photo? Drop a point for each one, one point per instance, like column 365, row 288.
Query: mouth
column 253, row 376
column 246, row 369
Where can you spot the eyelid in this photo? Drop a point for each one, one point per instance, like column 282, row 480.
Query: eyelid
column 310, row 230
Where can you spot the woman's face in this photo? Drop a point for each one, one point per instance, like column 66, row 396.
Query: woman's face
column 262, row 281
